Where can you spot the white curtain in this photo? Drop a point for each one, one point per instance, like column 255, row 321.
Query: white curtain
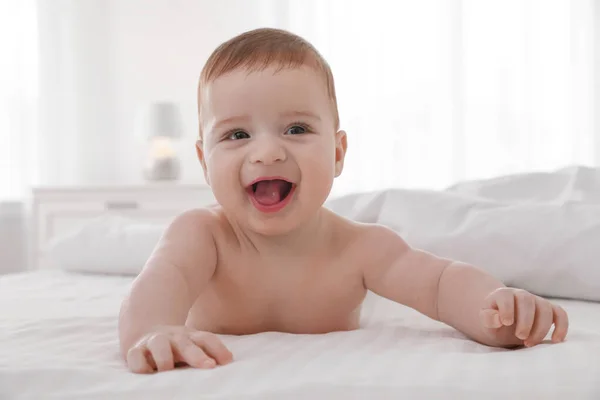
column 56, row 95
column 436, row 91
column 18, row 97
column 430, row 91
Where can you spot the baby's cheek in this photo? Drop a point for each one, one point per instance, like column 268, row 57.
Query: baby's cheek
column 223, row 175
column 321, row 156
column 320, row 173
column 220, row 163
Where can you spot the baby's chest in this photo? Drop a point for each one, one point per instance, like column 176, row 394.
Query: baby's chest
column 295, row 297
column 291, row 278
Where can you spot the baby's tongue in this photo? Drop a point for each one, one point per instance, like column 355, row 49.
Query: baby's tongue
column 269, row 192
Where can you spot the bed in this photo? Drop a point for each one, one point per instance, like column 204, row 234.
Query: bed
column 58, row 341
column 58, row 327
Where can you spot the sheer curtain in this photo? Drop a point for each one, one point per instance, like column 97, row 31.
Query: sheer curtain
column 430, row 91
column 18, row 97
column 436, row 91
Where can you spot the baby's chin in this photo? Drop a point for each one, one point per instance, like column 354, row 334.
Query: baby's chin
column 281, row 224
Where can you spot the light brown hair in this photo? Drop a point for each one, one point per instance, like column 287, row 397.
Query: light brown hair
column 261, row 48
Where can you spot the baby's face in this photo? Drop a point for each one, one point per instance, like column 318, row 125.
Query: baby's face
column 270, row 150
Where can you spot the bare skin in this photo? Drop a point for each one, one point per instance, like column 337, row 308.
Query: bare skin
column 253, row 292
column 247, row 291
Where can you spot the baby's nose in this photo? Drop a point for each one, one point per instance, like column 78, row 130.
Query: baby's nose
column 267, row 152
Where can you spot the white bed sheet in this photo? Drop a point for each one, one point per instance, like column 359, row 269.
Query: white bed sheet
column 58, row 340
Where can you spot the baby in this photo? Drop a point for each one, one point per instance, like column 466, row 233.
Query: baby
column 270, row 257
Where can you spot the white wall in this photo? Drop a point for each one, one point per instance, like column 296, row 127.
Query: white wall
column 104, row 59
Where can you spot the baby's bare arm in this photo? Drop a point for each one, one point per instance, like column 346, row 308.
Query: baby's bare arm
column 460, row 295
column 439, row 288
column 183, row 261
column 402, row 274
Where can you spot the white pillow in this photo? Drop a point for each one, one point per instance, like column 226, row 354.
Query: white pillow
column 107, row 245
column 539, row 232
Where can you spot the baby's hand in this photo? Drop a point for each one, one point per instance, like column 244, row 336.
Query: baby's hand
column 163, row 349
column 514, row 315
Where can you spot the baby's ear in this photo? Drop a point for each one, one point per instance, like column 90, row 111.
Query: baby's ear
column 341, row 145
column 200, row 153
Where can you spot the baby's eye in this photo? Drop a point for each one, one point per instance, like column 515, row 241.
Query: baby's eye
column 238, row 135
column 295, row 130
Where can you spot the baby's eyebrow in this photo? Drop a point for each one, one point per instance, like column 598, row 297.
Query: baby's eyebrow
column 306, row 114
column 229, row 120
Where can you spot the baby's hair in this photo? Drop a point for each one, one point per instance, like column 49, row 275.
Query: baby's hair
column 261, row 48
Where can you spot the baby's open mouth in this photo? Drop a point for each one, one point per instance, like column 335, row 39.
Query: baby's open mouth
column 269, row 192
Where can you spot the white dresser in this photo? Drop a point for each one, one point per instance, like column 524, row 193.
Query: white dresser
column 57, row 210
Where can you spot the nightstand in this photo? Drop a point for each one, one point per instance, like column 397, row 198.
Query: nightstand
column 58, row 210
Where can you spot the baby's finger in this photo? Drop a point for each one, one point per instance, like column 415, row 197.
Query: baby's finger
column 136, row 361
column 525, row 310
column 561, row 324
column 490, row 318
column 502, row 300
column 161, row 352
column 506, row 306
column 191, row 354
column 542, row 323
column 213, row 346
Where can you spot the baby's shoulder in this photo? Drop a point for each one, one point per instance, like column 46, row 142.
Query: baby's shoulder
column 366, row 236
column 371, row 246
column 207, row 222
column 198, row 218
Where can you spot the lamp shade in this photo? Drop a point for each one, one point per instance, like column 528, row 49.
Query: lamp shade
column 161, row 119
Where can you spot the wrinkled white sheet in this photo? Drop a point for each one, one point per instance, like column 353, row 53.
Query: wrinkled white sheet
column 58, row 340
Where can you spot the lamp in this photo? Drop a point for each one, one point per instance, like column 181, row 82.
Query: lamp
column 161, row 124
